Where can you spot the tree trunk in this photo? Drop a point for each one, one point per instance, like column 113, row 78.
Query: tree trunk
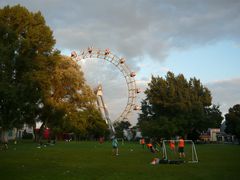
column 39, row 135
column 4, row 138
column 34, row 132
column 16, row 136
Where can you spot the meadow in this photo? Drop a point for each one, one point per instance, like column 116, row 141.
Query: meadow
column 91, row 160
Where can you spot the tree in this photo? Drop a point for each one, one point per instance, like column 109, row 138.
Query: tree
column 36, row 82
column 175, row 106
column 120, row 126
column 213, row 117
column 24, row 36
column 96, row 126
column 68, row 103
column 233, row 121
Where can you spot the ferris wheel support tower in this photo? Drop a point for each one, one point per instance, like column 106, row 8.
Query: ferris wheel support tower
column 103, row 108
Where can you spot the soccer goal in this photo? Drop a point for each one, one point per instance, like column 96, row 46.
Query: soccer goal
column 170, row 150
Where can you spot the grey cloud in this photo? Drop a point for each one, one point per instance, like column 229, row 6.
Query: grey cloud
column 139, row 27
column 225, row 93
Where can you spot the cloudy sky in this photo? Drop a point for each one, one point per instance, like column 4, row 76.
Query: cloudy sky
column 196, row 38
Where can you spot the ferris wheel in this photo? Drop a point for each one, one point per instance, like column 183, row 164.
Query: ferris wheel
column 107, row 55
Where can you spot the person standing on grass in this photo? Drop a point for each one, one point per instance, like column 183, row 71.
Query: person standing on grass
column 115, row 146
column 142, row 142
column 172, row 145
column 181, row 148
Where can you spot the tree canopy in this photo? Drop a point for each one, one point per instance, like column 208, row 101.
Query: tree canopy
column 233, row 121
column 175, row 106
column 39, row 84
column 120, row 126
column 68, row 102
column 24, row 37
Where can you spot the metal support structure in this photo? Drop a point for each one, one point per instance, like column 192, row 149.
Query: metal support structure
column 103, row 108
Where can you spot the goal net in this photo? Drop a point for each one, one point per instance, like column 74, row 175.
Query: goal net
column 170, row 151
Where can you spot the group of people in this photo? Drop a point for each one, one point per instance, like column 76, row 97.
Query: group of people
column 152, row 146
column 172, row 147
column 180, row 147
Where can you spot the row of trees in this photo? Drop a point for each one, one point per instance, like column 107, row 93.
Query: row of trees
column 175, row 106
column 39, row 84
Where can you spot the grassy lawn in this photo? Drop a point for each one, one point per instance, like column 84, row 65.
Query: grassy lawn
column 91, row 160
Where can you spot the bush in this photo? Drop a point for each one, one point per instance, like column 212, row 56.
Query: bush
column 27, row 136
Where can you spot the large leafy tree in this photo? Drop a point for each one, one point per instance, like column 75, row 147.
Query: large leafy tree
column 24, row 36
column 233, row 121
column 36, row 82
column 175, row 106
column 68, row 102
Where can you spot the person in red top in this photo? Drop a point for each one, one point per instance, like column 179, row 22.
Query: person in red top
column 172, row 145
column 142, row 142
column 150, row 146
column 181, row 148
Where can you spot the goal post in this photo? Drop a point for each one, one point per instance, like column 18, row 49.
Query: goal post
column 170, row 150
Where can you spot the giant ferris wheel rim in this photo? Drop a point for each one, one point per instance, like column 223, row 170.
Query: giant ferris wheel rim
column 106, row 54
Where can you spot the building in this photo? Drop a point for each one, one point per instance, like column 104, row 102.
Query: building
column 210, row 135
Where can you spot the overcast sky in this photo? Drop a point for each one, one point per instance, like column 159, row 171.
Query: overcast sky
column 196, row 38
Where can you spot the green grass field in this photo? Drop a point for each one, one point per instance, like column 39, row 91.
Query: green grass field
column 91, row 160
